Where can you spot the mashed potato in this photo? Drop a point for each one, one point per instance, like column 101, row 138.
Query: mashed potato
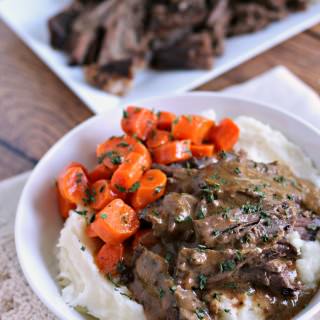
column 83, row 284
column 264, row 144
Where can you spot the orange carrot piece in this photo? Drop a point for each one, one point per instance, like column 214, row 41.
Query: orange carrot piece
column 157, row 138
column 100, row 172
column 194, row 128
column 172, row 152
column 90, row 232
column 225, row 135
column 73, row 184
column 116, row 222
column 165, row 120
column 64, row 205
column 202, row 150
column 102, row 194
column 144, row 237
column 113, row 151
column 152, row 187
column 138, row 121
column 108, row 257
column 126, row 177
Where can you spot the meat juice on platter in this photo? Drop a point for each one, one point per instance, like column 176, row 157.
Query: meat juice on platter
column 192, row 228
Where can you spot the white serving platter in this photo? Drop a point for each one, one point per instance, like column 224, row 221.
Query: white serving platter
column 28, row 18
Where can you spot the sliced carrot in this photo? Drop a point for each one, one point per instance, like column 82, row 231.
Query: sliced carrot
column 116, row 222
column 225, row 135
column 126, row 177
column 172, row 152
column 202, row 150
column 108, row 257
column 64, row 205
column 78, row 164
column 100, row 172
column 138, row 121
column 113, row 151
column 73, row 184
column 102, row 194
column 152, row 187
column 165, row 120
column 157, row 138
column 194, row 128
column 144, row 237
column 90, row 232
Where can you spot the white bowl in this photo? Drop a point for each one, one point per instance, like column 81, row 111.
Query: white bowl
column 38, row 222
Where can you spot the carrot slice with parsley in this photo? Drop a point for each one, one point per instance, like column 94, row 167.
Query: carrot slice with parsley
column 73, row 184
column 194, row 128
column 64, row 205
column 152, row 187
column 225, row 135
column 116, row 222
column 165, row 120
column 138, row 121
column 172, row 152
column 102, row 194
column 100, row 172
column 126, row 177
column 144, row 237
column 108, row 257
column 157, row 138
column 202, row 150
column 113, row 151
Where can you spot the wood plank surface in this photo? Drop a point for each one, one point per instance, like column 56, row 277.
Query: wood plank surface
column 36, row 108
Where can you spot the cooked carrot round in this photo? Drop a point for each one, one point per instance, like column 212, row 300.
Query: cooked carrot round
column 64, row 205
column 108, row 258
column 157, row 138
column 202, row 150
column 102, row 194
column 99, row 172
column 116, row 222
column 152, row 187
column 73, row 184
column 126, row 177
column 113, row 151
column 194, row 128
column 172, row 152
column 225, row 135
column 165, row 120
column 90, row 232
column 138, row 121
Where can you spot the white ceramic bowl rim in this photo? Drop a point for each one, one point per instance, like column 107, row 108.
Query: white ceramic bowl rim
column 19, row 217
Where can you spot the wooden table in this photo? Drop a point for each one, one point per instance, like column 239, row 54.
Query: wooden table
column 36, row 108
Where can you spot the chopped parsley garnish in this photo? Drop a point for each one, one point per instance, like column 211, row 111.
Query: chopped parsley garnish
column 189, row 118
column 237, row 171
column 201, row 214
column 250, row 208
column 227, row 265
column 125, row 114
column 121, row 188
column 173, row 289
column 279, row 179
column 290, row 197
column 312, row 227
column 250, row 292
column 180, row 219
column 226, row 310
column 215, row 233
column 202, row 281
column 92, row 218
column 90, row 197
column 223, row 155
column 168, row 257
column 121, row 267
column 202, row 247
column 83, row 248
column 123, row 144
column 161, row 293
column 216, row 296
column 176, row 120
column 104, row 216
column 155, row 212
column 135, row 187
column 200, row 313
column 81, row 212
column 265, row 238
column 245, row 239
column 239, row 256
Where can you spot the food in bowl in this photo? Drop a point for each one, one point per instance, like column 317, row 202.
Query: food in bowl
column 181, row 220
